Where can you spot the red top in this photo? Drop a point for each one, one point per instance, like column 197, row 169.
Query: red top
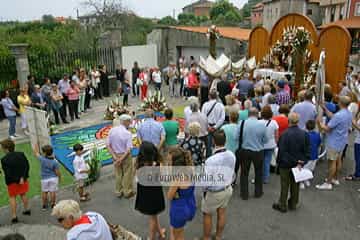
column 83, row 220
column 283, row 123
column 73, row 93
column 193, row 81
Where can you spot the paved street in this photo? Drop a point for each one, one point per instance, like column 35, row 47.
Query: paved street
column 329, row 215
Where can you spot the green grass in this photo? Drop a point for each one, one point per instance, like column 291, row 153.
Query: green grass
column 179, row 111
column 34, row 179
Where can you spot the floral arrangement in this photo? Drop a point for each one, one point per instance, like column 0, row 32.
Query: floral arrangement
column 213, row 30
column 294, row 40
column 155, row 102
column 114, row 109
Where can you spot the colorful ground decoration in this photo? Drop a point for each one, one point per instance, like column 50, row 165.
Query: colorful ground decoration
column 90, row 137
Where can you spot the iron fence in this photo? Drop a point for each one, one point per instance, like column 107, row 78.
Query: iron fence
column 8, row 72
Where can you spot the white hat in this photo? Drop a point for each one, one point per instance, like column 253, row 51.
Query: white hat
column 125, row 117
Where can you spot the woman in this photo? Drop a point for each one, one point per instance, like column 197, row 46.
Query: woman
column 156, row 76
column 73, row 96
column 194, row 144
column 56, row 104
column 354, row 105
column 231, row 106
column 144, row 78
column 193, row 82
column 88, row 226
column 16, row 170
column 181, row 194
column 171, row 129
column 150, row 199
column 95, row 83
column 184, row 71
column 244, row 114
column 231, row 132
column 272, row 132
column 23, row 100
column 89, row 92
column 274, row 106
column 82, row 85
column 10, row 112
column 282, row 119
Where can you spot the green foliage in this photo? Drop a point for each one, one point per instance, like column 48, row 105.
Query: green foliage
column 94, row 164
column 224, row 13
column 246, row 10
column 168, row 21
column 48, row 19
column 187, row 19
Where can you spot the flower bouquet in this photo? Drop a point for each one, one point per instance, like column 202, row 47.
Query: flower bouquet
column 155, row 102
column 114, row 109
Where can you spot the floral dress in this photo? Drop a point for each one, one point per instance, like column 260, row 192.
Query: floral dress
column 196, row 147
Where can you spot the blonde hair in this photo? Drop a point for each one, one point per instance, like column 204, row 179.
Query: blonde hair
column 194, row 129
column 230, row 100
column 247, row 104
column 67, row 208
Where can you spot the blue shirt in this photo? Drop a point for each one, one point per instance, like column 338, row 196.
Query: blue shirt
column 244, row 85
column 339, row 125
column 8, row 106
column 232, row 137
column 254, row 135
column 306, row 111
column 151, row 131
column 48, row 167
column 315, row 141
column 331, row 107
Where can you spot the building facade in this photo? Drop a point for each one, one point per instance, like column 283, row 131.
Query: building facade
column 354, row 9
column 275, row 9
column 334, row 10
column 257, row 15
column 199, row 8
column 174, row 42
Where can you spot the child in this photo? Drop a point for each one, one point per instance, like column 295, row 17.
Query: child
column 315, row 142
column 50, row 175
column 126, row 92
column 81, row 171
column 181, row 194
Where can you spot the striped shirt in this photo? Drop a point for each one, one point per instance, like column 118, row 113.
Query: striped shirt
column 282, row 97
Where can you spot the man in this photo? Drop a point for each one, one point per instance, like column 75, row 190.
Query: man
column 306, row 110
column 151, row 131
column 119, row 144
column 64, row 86
column 173, row 75
column 135, row 75
column 349, row 73
column 204, row 87
column 294, row 151
column 337, row 130
column 120, row 77
column 344, row 89
column 282, row 96
column 223, row 88
column 253, row 139
column 37, row 99
column 216, row 198
column 259, row 81
column 30, row 83
column 244, row 86
column 215, row 113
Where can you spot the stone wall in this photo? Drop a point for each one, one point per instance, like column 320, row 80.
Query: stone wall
column 169, row 40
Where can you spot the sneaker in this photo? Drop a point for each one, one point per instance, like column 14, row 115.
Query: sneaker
column 302, row 185
column 12, row 138
column 335, row 182
column 27, row 212
column 324, row 186
column 307, row 183
column 44, row 208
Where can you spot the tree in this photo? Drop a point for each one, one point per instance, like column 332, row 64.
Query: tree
column 223, row 12
column 48, row 19
column 168, row 21
column 246, row 10
column 187, row 19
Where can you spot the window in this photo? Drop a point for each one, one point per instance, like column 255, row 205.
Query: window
column 309, row 12
column 342, row 12
column 332, row 14
column 357, row 9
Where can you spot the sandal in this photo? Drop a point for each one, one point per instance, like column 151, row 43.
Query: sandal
column 84, row 199
column 162, row 234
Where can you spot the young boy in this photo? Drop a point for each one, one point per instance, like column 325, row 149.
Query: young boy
column 81, row 171
column 50, row 175
column 315, row 142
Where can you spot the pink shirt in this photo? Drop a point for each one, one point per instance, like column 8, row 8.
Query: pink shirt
column 73, row 93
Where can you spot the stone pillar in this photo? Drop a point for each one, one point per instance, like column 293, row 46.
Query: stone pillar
column 19, row 51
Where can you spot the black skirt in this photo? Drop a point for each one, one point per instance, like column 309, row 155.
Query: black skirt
column 149, row 199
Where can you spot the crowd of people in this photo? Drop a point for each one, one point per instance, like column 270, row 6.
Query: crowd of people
column 63, row 100
column 236, row 123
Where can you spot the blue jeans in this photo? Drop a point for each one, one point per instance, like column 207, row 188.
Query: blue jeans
column 267, row 160
column 357, row 159
column 12, row 125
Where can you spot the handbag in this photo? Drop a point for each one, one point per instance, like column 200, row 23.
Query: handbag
column 139, row 82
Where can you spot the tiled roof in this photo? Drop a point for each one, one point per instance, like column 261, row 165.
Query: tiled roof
column 351, row 23
column 226, row 32
column 200, row 3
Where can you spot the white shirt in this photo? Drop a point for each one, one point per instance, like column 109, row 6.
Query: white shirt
column 79, row 165
column 271, row 128
column 265, row 99
column 217, row 115
column 201, row 119
column 187, row 113
column 156, row 77
column 353, row 108
column 95, row 78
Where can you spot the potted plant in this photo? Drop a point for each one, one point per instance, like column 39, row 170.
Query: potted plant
column 94, row 165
